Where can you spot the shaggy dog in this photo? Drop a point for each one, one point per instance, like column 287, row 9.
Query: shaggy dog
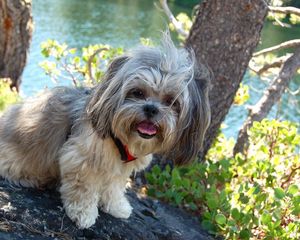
column 151, row 100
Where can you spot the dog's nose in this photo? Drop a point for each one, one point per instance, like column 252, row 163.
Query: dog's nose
column 150, row 110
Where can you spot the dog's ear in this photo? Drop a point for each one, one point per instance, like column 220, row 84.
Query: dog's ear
column 114, row 67
column 105, row 98
column 190, row 138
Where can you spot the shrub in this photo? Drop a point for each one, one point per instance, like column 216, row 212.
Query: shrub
column 84, row 66
column 65, row 63
column 251, row 196
column 7, row 96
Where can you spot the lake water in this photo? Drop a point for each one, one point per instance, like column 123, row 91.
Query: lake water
column 122, row 23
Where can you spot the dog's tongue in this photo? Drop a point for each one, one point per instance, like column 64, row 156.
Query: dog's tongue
column 147, row 128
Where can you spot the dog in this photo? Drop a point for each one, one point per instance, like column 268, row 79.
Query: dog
column 152, row 100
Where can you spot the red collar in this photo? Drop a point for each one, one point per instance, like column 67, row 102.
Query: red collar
column 126, row 156
column 129, row 157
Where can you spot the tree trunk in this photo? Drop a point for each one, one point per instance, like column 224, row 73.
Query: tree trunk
column 15, row 37
column 270, row 97
column 224, row 36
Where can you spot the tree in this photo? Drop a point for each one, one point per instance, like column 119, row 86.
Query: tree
column 16, row 31
column 224, row 35
column 271, row 96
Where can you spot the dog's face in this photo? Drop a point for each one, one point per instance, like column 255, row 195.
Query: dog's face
column 155, row 101
column 150, row 109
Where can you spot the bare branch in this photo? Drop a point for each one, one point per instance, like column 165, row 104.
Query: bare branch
column 89, row 63
column 70, row 72
column 266, row 67
column 274, row 16
column 270, row 97
column 288, row 44
column 172, row 19
column 277, row 63
column 285, row 10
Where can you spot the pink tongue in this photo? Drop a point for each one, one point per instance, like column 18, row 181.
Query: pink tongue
column 147, row 128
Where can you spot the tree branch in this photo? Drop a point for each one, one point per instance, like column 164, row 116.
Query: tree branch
column 270, row 97
column 288, row 44
column 89, row 63
column 285, row 10
column 275, row 64
column 178, row 25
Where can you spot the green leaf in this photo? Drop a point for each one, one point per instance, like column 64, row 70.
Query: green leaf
column 45, row 52
column 265, row 218
column 293, row 189
column 151, row 192
column 76, row 60
column 168, row 168
column 212, row 203
column 161, row 180
column 156, row 170
column 279, row 193
column 246, row 219
column 186, row 183
column 178, row 198
column 257, row 190
column 207, row 225
column 235, row 214
column 72, row 50
column 261, row 197
column 193, row 206
column 207, row 215
column 220, row 219
column 244, row 199
column 264, row 149
column 177, row 182
column 245, row 234
column 175, row 174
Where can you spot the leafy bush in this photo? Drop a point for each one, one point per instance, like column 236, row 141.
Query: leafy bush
column 242, row 95
column 7, row 96
column 66, row 63
column 252, row 196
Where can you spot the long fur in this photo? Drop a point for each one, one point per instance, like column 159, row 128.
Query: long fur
column 64, row 135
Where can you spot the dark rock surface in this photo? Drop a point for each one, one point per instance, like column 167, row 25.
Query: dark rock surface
column 36, row 214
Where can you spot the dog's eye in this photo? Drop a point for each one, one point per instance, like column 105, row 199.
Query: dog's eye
column 171, row 102
column 138, row 93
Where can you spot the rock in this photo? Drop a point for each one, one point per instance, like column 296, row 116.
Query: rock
column 38, row 214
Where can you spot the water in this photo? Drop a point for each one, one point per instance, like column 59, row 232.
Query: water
column 80, row 23
column 122, row 23
column 289, row 106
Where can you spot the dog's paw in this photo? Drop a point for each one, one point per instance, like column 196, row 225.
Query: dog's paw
column 84, row 218
column 120, row 209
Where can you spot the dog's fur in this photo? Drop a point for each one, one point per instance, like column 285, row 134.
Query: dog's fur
column 65, row 134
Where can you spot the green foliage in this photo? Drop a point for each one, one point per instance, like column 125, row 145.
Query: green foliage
column 242, row 95
column 251, row 196
column 7, row 96
column 69, row 63
column 186, row 24
column 294, row 19
column 147, row 42
column 65, row 63
column 291, row 18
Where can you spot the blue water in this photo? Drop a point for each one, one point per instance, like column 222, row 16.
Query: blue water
column 80, row 23
column 122, row 23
